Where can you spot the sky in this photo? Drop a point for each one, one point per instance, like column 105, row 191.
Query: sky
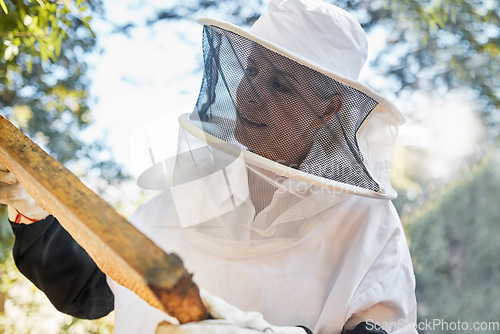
column 151, row 74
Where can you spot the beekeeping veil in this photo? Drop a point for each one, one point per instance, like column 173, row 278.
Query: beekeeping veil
column 282, row 131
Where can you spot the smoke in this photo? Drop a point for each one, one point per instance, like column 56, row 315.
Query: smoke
column 444, row 131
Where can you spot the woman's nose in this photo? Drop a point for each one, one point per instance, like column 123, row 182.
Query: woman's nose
column 256, row 92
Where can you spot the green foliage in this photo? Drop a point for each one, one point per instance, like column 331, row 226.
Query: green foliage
column 6, row 237
column 443, row 44
column 455, row 250
column 44, row 91
column 43, row 83
column 27, row 310
column 38, row 28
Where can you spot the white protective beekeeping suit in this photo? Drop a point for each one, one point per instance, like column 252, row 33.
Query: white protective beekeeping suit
column 315, row 243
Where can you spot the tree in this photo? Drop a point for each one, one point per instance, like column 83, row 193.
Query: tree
column 439, row 45
column 44, row 91
column 43, row 81
column 455, row 252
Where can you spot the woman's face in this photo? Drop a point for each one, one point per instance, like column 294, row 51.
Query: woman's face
column 278, row 108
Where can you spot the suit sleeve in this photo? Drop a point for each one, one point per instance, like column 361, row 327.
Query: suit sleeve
column 50, row 258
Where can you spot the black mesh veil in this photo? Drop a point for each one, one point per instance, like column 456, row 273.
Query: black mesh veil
column 282, row 110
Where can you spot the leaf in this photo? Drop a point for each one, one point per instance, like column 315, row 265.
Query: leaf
column 43, row 52
column 29, row 66
column 10, row 52
column 53, row 36
column 85, row 23
column 453, row 14
column 4, row 7
column 57, row 46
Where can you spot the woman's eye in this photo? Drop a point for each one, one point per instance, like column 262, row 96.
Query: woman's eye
column 281, row 85
column 251, row 71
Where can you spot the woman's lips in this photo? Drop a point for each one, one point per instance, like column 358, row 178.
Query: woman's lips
column 249, row 122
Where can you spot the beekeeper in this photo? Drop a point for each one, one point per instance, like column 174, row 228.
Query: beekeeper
column 278, row 200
